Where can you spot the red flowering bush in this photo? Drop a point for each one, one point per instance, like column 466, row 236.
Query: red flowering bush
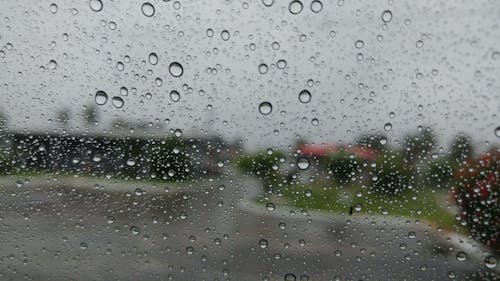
column 477, row 194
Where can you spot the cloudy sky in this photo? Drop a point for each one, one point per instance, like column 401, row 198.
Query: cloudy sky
column 433, row 63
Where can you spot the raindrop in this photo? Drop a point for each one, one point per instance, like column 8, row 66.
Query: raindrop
column 315, row 122
column 490, row 262
column 419, row 44
column 175, row 96
column 176, row 69
column 295, row 7
column 124, row 91
column 316, row 6
column 110, row 219
column 388, row 126
column 265, row 108
column 497, row 132
column 225, row 35
column 303, row 163
column 461, row 256
column 290, row 277
column 304, row 96
column 53, row 8
column 148, row 9
column 282, row 225
column 268, row 3
column 281, row 64
column 95, row 5
column 135, row 230
column 117, row 102
column 359, row 44
column 130, row 162
column 83, row 245
column 263, row 243
column 153, row 58
column 386, row 16
column 52, row 64
column 189, row 250
column 358, row 207
column 270, row 206
column 308, row 193
column 101, row 97
column 263, row 68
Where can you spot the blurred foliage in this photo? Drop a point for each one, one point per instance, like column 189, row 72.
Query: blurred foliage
column 418, row 146
column 440, row 172
column 343, row 166
column 477, row 194
column 169, row 160
column 376, row 141
column 461, row 148
column 391, row 174
column 262, row 164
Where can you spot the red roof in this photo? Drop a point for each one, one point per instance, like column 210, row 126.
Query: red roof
column 322, row 150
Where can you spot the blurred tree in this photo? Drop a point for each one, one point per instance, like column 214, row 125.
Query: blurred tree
column 63, row 117
column 263, row 165
column 377, row 141
column 90, row 115
column 461, row 148
column 391, row 174
column 417, row 147
column 343, row 166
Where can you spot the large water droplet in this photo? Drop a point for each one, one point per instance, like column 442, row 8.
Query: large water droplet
column 135, row 230
column 53, row 8
column 124, row 91
column 117, row 102
column 153, row 58
column 303, row 163
column 359, row 44
column 101, row 97
column 263, row 243
column 316, row 6
column 497, row 132
column 490, row 262
column 461, row 256
column 268, row 3
column 270, row 206
column 175, row 96
column 148, row 9
column 304, row 96
column 265, row 108
column 290, row 277
column 176, row 69
column 95, row 5
column 388, row 126
column 225, row 35
column 263, row 68
column 295, row 7
column 386, row 16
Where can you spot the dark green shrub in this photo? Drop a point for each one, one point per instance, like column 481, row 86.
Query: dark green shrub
column 440, row 172
column 262, row 165
column 391, row 174
column 343, row 166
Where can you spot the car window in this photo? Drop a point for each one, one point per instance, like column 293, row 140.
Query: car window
column 249, row 140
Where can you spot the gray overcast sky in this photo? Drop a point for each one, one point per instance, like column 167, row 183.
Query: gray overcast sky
column 450, row 82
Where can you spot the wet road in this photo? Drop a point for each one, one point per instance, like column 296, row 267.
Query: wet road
column 207, row 231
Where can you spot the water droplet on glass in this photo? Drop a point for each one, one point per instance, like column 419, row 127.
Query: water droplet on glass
column 419, row 44
column 131, row 162
column 386, row 16
column 281, row 64
column 461, row 256
column 290, row 277
column 270, row 206
column 263, row 243
column 53, row 8
column 101, row 97
column 304, row 96
column 52, row 64
column 135, row 230
column 315, row 122
column 117, row 102
column 176, row 69
column 295, row 7
column 175, row 96
column 225, row 35
column 83, row 246
column 268, row 3
column 308, row 193
column 359, row 44
column 124, row 91
column 263, row 68
column 148, row 9
column 303, row 163
column 189, row 250
column 497, row 132
column 110, row 219
column 95, row 5
column 282, row 225
column 265, row 108
column 490, row 262
column 153, row 58
column 358, row 207
column 316, row 6
column 388, row 126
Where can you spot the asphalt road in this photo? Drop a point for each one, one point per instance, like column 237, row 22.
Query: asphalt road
column 56, row 231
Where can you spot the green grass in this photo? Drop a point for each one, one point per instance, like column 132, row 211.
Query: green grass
column 418, row 204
